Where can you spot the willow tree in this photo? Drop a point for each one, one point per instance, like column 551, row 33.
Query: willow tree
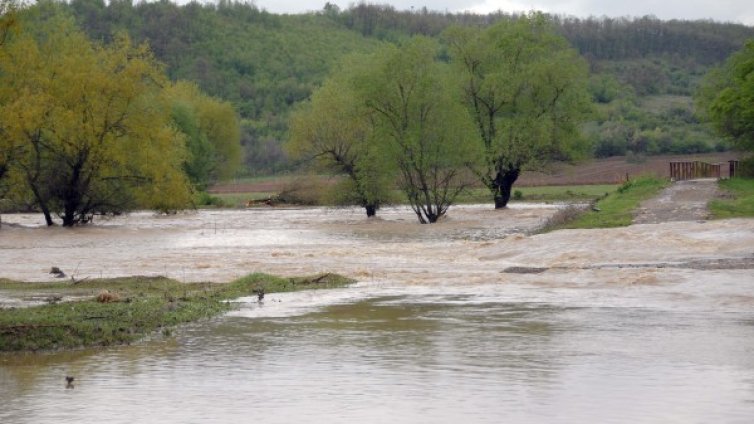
column 418, row 121
column 8, row 23
column 335, row 132
column 212, row 133
column 525, row 89
column 94, row 133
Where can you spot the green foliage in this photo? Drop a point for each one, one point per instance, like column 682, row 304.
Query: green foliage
column 8, row 148
column 203, row 198
column 649, row 125
column 601, row 39
column 334, row 131
column 526, row 92
column 264, row 64
column 617, row 209
column 419, row 122
column 8, row 19
column 604, row 88
column 259, row 62
column 87, row 125
column 199, row 164
column 739, row 201
column 385, row 114
column 728, row 98
column 212, row 134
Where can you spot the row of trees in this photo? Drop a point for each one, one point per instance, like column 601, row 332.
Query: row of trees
column 90, row 129
column 510, row 98
column 599, row 38
column 264, row 63
column 727, row 100
column 259, row 62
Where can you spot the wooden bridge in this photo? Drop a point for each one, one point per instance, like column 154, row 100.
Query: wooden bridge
column 697, row 169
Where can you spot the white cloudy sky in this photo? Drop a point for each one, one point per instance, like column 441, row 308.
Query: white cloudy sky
column 741, row 11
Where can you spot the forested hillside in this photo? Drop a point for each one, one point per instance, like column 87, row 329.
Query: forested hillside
column 260, row 62
column 644, row 71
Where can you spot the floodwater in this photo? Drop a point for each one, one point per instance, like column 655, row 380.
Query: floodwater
column 645, row 324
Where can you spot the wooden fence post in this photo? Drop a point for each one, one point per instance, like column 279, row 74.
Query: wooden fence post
column 732, row 168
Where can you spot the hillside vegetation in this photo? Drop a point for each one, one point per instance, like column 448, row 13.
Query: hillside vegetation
column 643, row 71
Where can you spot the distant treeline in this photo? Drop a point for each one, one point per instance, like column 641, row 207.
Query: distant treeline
column 603, row 38
column 265, row 63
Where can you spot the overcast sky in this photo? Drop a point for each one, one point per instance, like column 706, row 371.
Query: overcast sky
column 741, row 11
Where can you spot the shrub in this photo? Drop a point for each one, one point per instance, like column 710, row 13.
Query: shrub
column 205, row 199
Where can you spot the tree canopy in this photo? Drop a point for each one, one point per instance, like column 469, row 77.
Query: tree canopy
column 8, row 22
column 422, row 125
column 334, row 129
column 525, row 89
column 644, row 69
column 728, row 98
column 263, row 63
column 89, row 126
column 391, row 117
column 211, row 130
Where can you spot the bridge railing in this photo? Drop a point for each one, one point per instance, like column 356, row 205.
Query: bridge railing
column 692, row 170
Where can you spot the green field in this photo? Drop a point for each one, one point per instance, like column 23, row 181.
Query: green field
column 615, row 210
column 544, row 193
column 566, row 193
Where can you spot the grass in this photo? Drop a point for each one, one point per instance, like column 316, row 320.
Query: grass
column 543, row 193
column 473, row 196
column 738, row 199
column 137, row 307
column 615, row 209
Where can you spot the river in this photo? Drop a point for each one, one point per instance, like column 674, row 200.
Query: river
column 644, row 324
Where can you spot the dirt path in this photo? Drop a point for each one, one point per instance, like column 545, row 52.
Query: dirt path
column 682, row 201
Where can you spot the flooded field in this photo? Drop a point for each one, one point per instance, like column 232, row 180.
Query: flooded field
column 645, row 324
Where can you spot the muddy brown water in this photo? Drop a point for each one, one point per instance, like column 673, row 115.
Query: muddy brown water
column 616, row 329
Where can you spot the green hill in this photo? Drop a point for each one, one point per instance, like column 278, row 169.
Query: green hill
column 644, row 70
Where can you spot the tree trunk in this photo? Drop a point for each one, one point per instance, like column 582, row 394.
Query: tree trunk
column 371, row 210
column 47, row 214
column 502, row 187
column 69, row 218
column 43, row 205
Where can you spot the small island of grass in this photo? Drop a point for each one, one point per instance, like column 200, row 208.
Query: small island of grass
column 123, row 310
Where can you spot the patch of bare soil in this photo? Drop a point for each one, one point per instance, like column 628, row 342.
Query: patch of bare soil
column 615, row 169
column 599, row 171
column 681, row 201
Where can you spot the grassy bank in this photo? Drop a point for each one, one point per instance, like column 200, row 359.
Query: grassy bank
column 123, row 310
column 567, row 193
column 737, row 201
column 571, row 193
column 614, row 210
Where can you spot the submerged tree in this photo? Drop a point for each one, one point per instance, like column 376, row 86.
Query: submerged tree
column 387, row 117
column 335, row 130
column 525, row 89
column 419, row 122
column 93, row 132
